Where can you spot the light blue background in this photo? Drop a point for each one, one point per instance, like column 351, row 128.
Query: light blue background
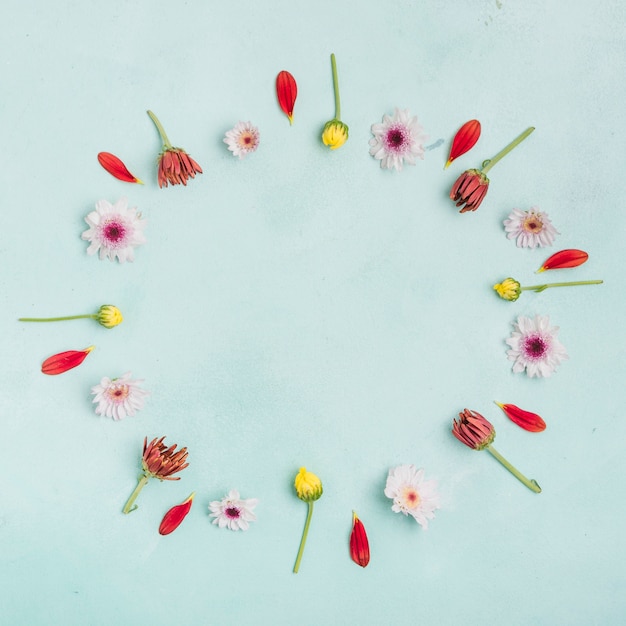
column 303, row 307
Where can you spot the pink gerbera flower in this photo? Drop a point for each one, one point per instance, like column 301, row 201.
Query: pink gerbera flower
column 119, row 397
column 232, row 512
column 534, row 346
column 243, row 139
column 115, row 230
column 530, row 229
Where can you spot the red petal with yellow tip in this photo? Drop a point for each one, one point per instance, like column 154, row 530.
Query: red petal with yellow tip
column 287, row 92
column 464, row 140
column 64, row 361
column 115, row 167
column 563, row 259
column 524, row 419
column 359, row 545
column 175, row 516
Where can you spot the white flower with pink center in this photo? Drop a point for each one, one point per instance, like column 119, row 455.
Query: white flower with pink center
column 534, row 346
column 243, row 139
column 115, row 230
column 411, row 494
column 530, row 229
column 399, row 138
column 119, row 397
column 232, row 512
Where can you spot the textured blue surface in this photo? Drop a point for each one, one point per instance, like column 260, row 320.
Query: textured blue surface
column 303, row 307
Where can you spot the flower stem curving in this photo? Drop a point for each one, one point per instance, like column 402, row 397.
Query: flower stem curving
column 92, row 316
column 530, row 483
column 296, row 567
column 539, row 288
column 333, row 63
column 128, row 507
column 166, row 142
column 489, row 163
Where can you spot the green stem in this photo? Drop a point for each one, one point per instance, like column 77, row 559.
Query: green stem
column 538, row 288
column 296, row 567
column 530, row 483
column 57, row 319
column 489, row 163
column 128, row 507
column 166, row 142
column 333, row 63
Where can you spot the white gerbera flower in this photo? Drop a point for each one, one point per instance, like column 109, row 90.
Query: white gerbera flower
column 397, row 139
column 115, row 230
column 534, row 346
column 531, row 228
column 119, row 397
column 411, row 494
column 233, row 512
column 242, row 139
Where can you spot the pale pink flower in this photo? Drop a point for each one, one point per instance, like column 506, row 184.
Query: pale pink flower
column 530, row 229
column 119, row 397
column 243, row 139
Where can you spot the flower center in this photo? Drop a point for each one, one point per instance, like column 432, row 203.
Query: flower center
column 535, row 346
column 232, row 512
column 532, row 224
column 118, row 393
column 396, row 139
column 114, row 231
column 411, row 497
column 246, row 140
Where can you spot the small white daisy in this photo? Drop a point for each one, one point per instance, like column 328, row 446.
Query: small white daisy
column 397, row 139
column 411, row 494
column 534, row 346
column 232, row 512
column 531, row 228
column 119, row 397
column 242, row 139
column 115, row 230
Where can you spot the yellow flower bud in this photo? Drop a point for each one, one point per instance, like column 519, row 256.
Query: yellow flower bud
column 308, row 486
column 109, row 316
column 335, row 134
column 509, row 289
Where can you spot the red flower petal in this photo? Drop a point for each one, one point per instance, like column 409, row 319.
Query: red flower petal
column 287, row 92
column 564, row 258
column 464, row 140
column 524, row 419
column 64, row 361
column 116, row 168
column 359, row 545
column 174, row 517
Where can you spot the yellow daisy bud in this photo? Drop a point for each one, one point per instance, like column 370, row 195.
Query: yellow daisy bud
column 109, row 316
column 308, row 486
column 335, row 134
column 509, row 289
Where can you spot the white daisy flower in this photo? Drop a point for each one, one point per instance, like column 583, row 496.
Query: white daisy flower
column 534, row 346
column 119, row 397
column 411, row 494
column 115, row 230
column 531, row 229
column 242, row 139
column 397, row 139
column 232, row 512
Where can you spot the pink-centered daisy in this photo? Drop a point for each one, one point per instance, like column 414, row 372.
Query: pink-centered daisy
column 115, row 230
column 242, row 139
column 411, row 494
column 530, row 229
column 399, row 138
column 233, row 512
column 534, row 346
column 119, row 397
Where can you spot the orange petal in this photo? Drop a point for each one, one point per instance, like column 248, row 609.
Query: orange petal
column 59, row 363
column 464, row 140
column 563, row 259
column 116, row 168
column 287, row 92
column 174, row 517
column 359, row 545
column 524, row 419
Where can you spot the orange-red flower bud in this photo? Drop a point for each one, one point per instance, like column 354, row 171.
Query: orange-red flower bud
column 464, row 140
column 524, row 419
column 162, row 462
column 469, row 190
column 287, row 92
column 174, row 517
column 563, row 259
column 473, row 430
column 59, row 363
column 359, row 545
